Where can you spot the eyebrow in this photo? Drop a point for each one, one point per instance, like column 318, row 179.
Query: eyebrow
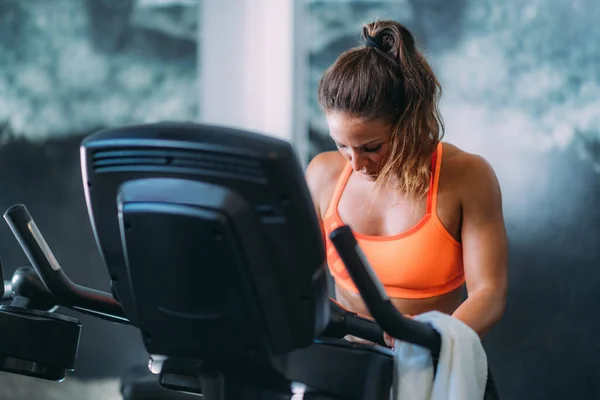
column 362, row 144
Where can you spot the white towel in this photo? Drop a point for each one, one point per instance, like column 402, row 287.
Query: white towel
column 462, row 366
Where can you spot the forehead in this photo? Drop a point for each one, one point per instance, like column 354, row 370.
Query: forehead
column 353, row 131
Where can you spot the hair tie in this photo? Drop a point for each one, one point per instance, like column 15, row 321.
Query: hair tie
column 370, row 41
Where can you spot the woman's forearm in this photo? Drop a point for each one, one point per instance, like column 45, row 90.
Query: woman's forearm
column 481, row 310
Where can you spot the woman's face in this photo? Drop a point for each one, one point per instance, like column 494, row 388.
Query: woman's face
column 363, row 143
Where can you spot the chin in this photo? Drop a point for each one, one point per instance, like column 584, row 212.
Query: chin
column 369, row 177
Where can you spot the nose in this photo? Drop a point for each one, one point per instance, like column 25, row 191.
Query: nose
column 358, row 162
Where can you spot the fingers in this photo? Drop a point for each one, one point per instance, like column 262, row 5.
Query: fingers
column 389, row 340
column 355, row 339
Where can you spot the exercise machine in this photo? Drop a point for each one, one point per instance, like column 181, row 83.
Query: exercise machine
column 214, row 254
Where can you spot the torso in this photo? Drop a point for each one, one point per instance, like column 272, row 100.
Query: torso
column 379, row 217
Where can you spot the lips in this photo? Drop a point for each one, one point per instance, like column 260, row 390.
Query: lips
column 369, row 174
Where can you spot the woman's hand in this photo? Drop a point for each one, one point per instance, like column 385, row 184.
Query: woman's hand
column 390, row 340
column 355, row 339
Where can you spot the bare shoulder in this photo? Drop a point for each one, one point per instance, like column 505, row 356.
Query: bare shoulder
column 470, row 172
column 322, row 174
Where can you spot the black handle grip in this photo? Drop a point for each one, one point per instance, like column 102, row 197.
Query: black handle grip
column 344, row 322
column 375, row 297
column 365, row 328
column 66, row 293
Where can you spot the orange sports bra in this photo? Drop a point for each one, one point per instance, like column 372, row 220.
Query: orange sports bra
column 425, row 261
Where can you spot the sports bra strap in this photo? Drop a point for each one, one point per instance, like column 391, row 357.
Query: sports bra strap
column 432, row 195
column 339, row 188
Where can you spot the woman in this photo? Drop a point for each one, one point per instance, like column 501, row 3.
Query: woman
column 427, row 215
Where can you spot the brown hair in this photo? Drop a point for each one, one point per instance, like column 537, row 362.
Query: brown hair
column 390, row 78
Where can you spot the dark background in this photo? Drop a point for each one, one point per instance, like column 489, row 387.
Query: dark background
column 521, row 87
column 69, row 68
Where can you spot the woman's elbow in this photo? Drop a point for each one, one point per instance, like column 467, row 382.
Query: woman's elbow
column 498, row 304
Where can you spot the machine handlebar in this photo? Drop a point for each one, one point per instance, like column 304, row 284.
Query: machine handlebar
column 67, row 294
column 344, row 322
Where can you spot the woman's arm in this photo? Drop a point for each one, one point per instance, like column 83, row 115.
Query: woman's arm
column 313, row 176
column 321, row 177
column 485, row 247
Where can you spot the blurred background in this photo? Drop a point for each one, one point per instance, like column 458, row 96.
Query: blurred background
column 521, row 87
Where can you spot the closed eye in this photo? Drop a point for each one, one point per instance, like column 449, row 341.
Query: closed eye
column 368, row 148
column 372, row 149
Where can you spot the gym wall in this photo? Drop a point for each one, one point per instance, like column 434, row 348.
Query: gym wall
column 69, row 68
column 521, row 87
